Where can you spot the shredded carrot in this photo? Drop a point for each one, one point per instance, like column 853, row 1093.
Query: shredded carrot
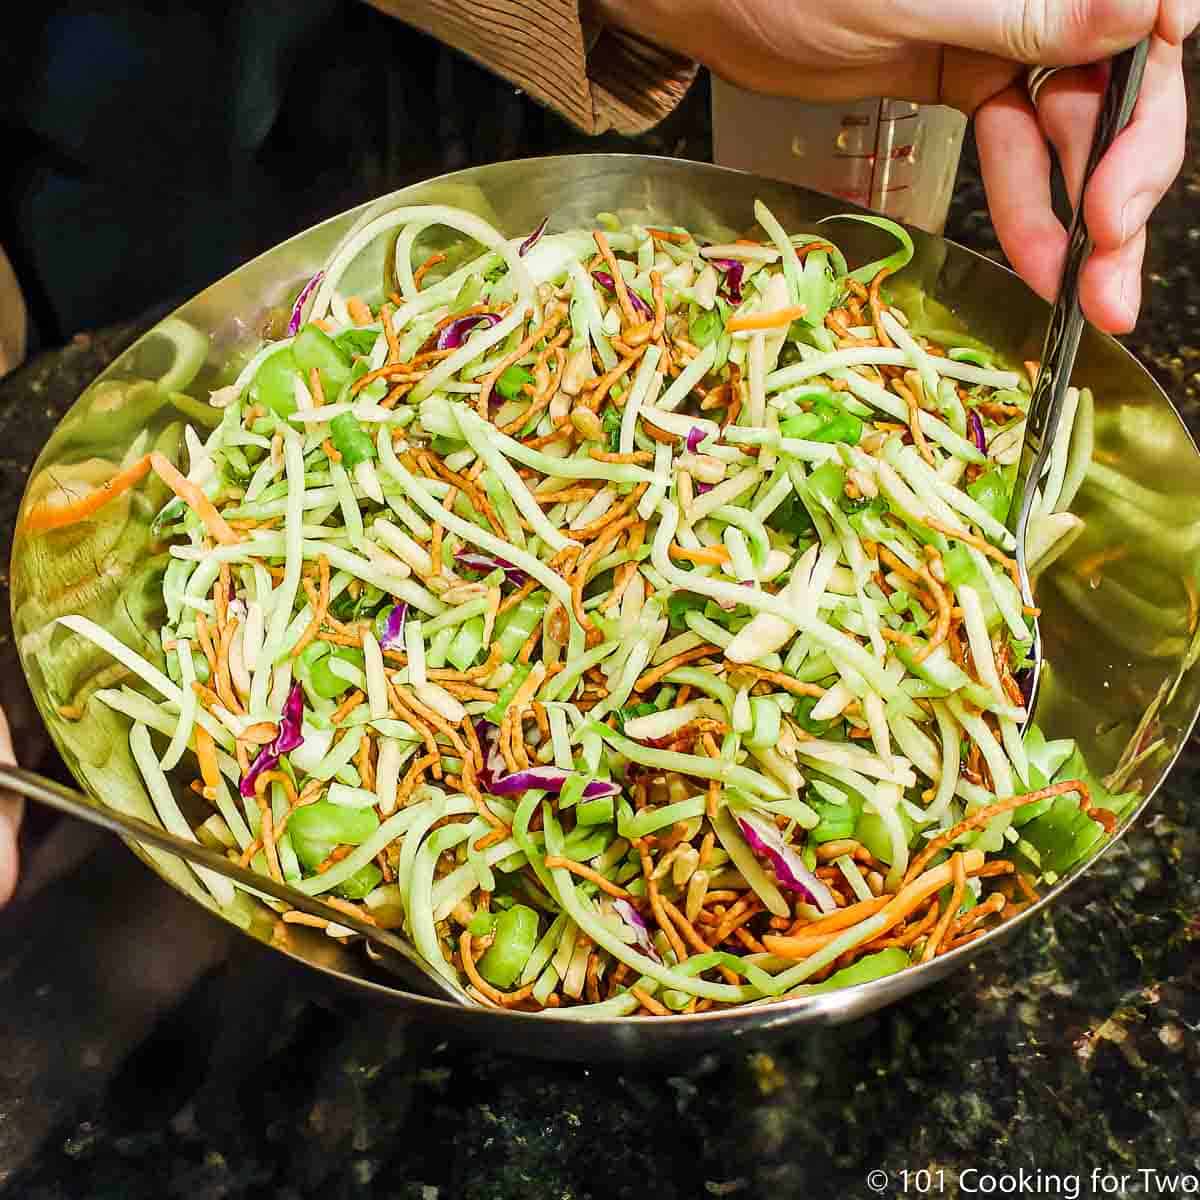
column 977, row 819
column 651, row 677
column 432, row 261
column 585, row 872
column 709, row 556
column 622, row 291
column 1009, row 564
column 778, row 319
column 347, row 706
column 206, row 754
column 46, row 516
column 360, row 312
column 195, row 499
column 935, row 939
column 668, row 235
column 898, row 909
column 649, row 1003
column 660, row 306
column 319, row 609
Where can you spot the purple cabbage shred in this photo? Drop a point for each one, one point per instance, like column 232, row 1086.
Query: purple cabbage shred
column 456, row 332
column 287, row 739
column 533, row 239
column 484, row 563
column 733, row 271
column 790, row 872
column 605, row 280
column 549, row 779
column 641, row 930
column 293, row 325
column 393, row 630
column 975, row 429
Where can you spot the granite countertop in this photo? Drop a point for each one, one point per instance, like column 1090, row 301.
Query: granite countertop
column 146, row 1051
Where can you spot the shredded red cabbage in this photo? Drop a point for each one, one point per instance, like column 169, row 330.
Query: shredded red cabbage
column 790, row 872
column 695, row 436
column 482, row 562
column 641, row 930
column 393, row 629
column 1024, row 680
column 533, row 239
column 975, row 429
column 733, row 271
column 287, row 739
column 548, row 779
column 456, row 332
column 701, row 488
column 493, row 760
column 605, row 280
column 294, row 321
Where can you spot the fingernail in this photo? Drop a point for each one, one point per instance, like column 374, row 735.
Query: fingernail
column 1135, row 214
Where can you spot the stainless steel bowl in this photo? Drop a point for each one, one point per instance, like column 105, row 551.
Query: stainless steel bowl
column 1119, row 608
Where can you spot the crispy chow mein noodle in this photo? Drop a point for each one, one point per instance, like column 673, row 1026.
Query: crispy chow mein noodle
column 627, row 618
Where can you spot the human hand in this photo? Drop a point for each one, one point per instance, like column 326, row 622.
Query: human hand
column 13, row 318
column 972, row 54
column 11, row 808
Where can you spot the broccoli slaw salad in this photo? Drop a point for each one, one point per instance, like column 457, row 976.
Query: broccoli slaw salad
column 631, row 620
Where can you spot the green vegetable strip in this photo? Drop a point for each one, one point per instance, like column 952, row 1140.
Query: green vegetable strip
column 471, row 533
column 168, row 811
column 692, row 764
column 187, row 713
column 581, row 912
column 285, row 598
column 791, row 262
column 479, row 434
column 760, row 530
column 144, row 670
column 420, row 892
column 743, row 859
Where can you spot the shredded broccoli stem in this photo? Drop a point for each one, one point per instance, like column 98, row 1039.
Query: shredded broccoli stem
column 582, row 604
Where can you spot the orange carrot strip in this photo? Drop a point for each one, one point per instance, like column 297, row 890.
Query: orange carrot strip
column 711, row 556
column 770, row 320
column 206, row 753
column 192, row 496
column 898, row 909
column 668, row 235
column 47, row 516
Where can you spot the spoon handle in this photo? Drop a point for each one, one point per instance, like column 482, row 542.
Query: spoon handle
column 1066, row 320
column 396, row 951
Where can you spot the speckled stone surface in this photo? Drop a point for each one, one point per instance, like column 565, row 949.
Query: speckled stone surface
column 145, row 1052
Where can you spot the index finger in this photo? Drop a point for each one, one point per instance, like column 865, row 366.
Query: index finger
column 11, row 808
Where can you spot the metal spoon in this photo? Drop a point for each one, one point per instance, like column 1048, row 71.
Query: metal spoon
column 1065, row 331
column 391, row 950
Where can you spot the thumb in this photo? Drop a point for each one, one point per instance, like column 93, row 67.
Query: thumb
column 11, row 808
column 1036, row 32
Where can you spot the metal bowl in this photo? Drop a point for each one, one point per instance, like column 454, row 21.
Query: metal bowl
column 1119, row 608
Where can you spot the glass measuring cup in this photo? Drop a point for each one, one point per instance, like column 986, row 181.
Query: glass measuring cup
column 894, row 157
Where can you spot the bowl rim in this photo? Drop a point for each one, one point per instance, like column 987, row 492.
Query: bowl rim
column 835, row 1006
